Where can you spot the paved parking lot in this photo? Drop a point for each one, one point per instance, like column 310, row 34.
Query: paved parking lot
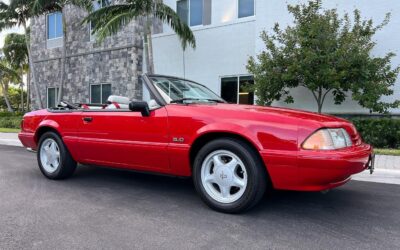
column 108, row 209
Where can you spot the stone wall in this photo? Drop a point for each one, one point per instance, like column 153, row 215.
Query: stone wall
column 117, row 60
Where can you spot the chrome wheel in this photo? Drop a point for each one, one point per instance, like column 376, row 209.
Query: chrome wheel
column 50, row 155
column 224, row 176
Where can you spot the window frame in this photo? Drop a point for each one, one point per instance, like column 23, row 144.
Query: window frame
column 101, row 92
column 238, row 85
column 47, row 26
column 237, row 10
column 57, row 91
column 189, row 13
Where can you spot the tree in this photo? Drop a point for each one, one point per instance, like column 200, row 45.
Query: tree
column 41, row 7
column 327, row 55
column 7, row 75
column 111, row 19
column 19, row 13
column 16, row 54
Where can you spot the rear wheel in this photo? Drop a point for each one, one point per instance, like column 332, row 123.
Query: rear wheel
column 55, row 162
column 229, row 175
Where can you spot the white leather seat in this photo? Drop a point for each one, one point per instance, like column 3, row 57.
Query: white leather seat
column 121, row 101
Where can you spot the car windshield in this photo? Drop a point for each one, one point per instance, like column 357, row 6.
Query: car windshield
column 175, row 90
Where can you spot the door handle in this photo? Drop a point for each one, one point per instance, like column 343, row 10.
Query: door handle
column 87, row 119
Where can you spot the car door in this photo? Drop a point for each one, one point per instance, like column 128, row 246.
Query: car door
column 125, row 139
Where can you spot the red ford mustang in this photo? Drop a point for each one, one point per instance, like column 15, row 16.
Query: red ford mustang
column 182, row 128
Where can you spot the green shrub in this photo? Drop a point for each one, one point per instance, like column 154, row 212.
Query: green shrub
column 381, row 133
column 10, row 121
column 8, row 114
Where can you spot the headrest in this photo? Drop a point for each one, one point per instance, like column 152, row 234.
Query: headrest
column 118, row 99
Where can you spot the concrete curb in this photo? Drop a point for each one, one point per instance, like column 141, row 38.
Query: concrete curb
column 387, row 176
column 10, row 139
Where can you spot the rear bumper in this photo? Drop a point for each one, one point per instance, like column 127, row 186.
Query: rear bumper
column 28, row 140
column 321, row 170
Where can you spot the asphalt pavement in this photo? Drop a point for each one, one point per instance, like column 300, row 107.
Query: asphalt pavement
column 102, row 208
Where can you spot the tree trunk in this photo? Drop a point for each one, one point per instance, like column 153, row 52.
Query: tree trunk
column 28, row 89
column 148, row 48
column 22, row 97
column 320, row 108
column 318, row 98
column 32, row 69
column 63, row 57
column 5, row 94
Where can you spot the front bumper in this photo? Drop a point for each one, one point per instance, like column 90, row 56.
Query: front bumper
column 320, row 170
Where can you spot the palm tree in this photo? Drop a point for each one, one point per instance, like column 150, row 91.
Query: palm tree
column 41, row 7
column 111, row 19
column 18, row 13
column 7, row 75
column 16, row 54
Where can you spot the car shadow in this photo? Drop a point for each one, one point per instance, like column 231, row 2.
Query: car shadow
column 352, row 196
column 346, row 212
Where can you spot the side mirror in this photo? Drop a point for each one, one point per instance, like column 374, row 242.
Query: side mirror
column 142, row 107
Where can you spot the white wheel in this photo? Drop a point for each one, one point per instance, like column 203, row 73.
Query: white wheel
column 55, row 162
column 229, row 175
column 224, row 176
column 50, row 155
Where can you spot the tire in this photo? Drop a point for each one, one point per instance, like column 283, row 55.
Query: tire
column 214, row 171
column 50, row 143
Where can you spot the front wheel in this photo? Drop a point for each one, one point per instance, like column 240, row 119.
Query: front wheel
column 55, row 162
column 229, row 175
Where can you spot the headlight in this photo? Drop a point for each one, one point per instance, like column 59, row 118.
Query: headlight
column 328, row 139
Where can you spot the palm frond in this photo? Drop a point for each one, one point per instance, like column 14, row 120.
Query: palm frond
column 41, row 7
column 84, row 4
column 8, row 18
column 6, row 71
column 20, row 10
column 109, row 20
column 168, row 15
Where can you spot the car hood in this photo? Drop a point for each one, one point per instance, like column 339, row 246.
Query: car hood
column 256, row 111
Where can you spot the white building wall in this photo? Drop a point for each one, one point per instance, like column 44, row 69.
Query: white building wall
column 224, row 47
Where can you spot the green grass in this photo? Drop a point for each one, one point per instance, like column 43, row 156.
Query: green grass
column 9, row 130
column 385, row 151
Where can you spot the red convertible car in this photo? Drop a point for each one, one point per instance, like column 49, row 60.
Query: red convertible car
column 181, row 128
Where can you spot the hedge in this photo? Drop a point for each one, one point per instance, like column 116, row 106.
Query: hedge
column 10, row 120
column 381, row 133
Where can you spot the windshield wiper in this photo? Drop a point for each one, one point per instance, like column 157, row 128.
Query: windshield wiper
column 196, row 99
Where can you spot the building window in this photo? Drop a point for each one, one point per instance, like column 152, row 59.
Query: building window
column 235, row 89
column 194, row 12
column 246, row 8
column 99, row 93
column 182, row 9
column 98, row 4
column 52, row 96
column 54, row 25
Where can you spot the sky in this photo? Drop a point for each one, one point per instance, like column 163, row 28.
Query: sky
column 5, row 32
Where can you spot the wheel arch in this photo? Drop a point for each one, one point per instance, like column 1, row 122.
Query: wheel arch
column 46, row 127
column 205, row 138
